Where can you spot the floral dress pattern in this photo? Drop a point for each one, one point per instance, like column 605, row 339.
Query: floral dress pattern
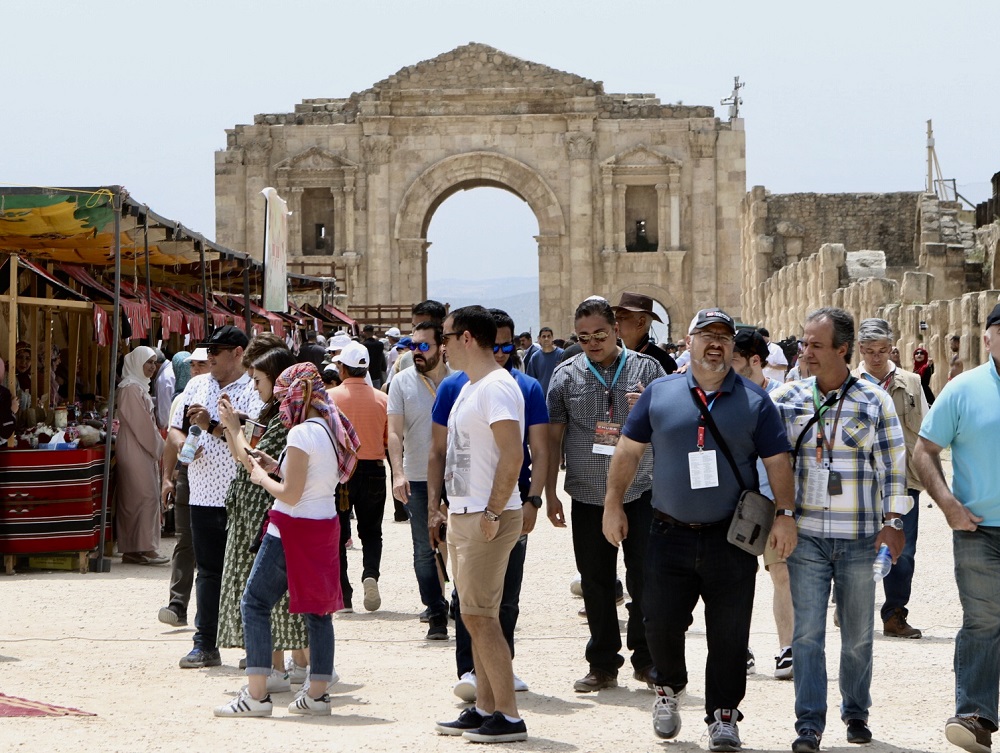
column 246, row 503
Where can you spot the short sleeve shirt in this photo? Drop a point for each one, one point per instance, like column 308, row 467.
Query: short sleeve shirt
column 209, row 476
column 412, row 395
column 667, row 417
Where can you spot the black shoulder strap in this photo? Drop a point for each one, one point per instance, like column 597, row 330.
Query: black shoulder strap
column 706, row 416
column 815, row 417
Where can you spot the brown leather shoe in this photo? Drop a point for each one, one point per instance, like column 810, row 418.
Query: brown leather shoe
column 897, row 626
column 596, row 679
column 645, row 675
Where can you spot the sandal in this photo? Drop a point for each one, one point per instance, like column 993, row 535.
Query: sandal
column 139, row 558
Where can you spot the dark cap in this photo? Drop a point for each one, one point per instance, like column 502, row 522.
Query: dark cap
column 750, row 343
column 711, row 316
column 368, row 328
column 994, row 317
column 228, row 335
column 640, row 304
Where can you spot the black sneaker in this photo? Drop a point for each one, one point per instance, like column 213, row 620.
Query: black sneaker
column 201, row 657
column 496, row 729
column 858, row 732
column 469, row 719
column 425, row 616
column 807, row 742
column 968, row 732
column 438, row 630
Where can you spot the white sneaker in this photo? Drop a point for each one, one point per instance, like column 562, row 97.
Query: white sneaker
column 296, row 674
column 303, row 704
column 723, row 733
column 465, row 688
column 666, row 715
column 373, row 600
column 244, row 705
column 520, row 686
column 278, row 682
column 334, row 679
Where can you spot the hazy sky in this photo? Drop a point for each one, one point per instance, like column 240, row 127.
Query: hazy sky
column 837, row 95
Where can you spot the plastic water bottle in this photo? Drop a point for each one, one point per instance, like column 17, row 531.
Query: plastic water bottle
column 190, row 447
column 882, row 564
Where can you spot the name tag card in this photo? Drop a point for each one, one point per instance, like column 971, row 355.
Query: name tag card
column 606, row 435
column 703, row 469
column 817, row 487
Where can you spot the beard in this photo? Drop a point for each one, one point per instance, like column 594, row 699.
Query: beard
column 423, row 364
column 718, row 368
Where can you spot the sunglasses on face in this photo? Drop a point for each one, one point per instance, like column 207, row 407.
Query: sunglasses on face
column 214, row 350
column 507, row 348
column 422, row 347
column 600, row 337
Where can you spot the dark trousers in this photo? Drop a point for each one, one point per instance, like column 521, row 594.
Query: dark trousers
column 899, row 581
column 208, row 533
column 509, row 609
column 366, row 496
column 597, row 561
column 683, row 565
column 182, row 560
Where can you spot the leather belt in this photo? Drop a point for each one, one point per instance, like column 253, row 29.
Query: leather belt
column 673, row 522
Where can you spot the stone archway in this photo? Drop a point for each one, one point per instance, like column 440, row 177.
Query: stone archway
column 676, row 327
column 473, row 170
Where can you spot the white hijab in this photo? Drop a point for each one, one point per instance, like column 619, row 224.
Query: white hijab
column 132, row 368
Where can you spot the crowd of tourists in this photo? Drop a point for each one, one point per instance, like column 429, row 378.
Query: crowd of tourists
column 270, row 457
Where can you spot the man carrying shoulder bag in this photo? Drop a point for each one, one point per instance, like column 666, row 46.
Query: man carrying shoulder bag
column 693, row 514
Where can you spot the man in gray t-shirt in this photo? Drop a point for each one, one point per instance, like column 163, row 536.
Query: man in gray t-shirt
column 411, row 398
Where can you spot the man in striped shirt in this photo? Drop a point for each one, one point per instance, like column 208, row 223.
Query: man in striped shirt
column 850, row 468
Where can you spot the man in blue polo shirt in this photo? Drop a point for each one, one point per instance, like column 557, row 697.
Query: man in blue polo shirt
column 965, row 417
column 688, row 556
column 530, row 484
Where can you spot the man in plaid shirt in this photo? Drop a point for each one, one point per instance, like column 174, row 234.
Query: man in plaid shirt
column 850, row 468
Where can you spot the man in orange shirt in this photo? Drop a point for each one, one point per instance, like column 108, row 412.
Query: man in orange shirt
column 366, row 408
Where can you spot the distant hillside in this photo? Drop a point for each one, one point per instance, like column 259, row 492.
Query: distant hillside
column 518, row 296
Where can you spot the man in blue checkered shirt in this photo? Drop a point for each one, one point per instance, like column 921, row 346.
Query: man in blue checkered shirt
column 850, row 473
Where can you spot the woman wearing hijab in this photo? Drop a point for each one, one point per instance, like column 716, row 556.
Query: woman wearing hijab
column 137, row 453
column 298, row 553
column 924, row 367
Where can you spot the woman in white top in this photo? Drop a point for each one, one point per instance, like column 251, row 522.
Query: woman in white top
column 299, row 552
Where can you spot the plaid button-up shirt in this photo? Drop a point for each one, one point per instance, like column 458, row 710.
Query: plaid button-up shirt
column 868, row 452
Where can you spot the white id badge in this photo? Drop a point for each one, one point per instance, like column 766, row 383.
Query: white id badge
column 703, row 469
column 817, row 487
column 606, row 436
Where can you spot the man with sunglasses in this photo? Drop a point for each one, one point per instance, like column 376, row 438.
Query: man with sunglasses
column 209, row 475
column 411, row 398
column 530, row 483
column 589, row 399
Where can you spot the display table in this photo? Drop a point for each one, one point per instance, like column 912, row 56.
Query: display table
column 50, row 502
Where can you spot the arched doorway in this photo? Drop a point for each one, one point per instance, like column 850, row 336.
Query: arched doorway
column 482, row 250
column 663, row 304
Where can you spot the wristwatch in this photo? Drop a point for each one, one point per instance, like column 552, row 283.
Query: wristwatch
column 786, row 511
column 534, row 500
column 896, row 523
column 212, row 426
column 490, row 515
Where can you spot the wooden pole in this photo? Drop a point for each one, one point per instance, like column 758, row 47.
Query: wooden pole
column 149, row 288
column 204, row 288
column 12, row 335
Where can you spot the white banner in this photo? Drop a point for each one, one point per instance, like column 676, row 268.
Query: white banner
column 275, row 252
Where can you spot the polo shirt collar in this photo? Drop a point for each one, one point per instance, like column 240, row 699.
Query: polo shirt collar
column 727, row 384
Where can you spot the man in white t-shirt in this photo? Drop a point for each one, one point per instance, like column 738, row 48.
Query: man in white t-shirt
column 485, row 430
column 777, row 362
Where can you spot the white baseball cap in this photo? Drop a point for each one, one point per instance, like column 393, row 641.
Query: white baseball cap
column 199, row 354
column 354, row 355
column 339, row 341
column 393, row 332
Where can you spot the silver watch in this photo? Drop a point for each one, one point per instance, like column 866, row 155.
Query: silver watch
column 896, row 523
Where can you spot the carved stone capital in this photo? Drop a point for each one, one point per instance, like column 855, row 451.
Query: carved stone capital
column 702, row 141
column 257, row 151
column 376, row 151
column 580, row 145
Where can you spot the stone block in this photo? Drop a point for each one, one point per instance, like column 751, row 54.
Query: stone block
column 916, row 287
column 861, row 264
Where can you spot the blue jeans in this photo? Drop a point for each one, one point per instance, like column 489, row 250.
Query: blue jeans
column 977, row 647
column 208, row 536
column 509, row 609
column 898, row 582
column 811, row 567
column 268, row 582
column 424, row 565
column 683, row 565
column 597, row 561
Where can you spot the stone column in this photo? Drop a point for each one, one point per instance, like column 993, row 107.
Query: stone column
column 257, row 154
column 412, row 252
column 675, row 209
column 335, row 236
column 295, row 224
column 377, row 151
column 349, row 210
column 580, row 149
column 704, row 271
column 609, row 208
column 620, row 189
column 662, row 217
column 551, row 307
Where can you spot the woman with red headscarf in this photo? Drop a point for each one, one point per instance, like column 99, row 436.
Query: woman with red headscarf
column 299, row 551
column 924, row 367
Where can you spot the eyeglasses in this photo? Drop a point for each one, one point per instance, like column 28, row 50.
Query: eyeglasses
column 214, row 350
column 715, row 337
column 422, row 347
column 599, row 336
column 507, row 347
column 446, row 335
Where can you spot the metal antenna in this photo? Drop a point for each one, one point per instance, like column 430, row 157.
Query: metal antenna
column 734, row 100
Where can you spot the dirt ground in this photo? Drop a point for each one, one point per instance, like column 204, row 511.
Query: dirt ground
column 93, row 642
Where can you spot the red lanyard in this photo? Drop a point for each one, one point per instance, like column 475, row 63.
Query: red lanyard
column 701, row 419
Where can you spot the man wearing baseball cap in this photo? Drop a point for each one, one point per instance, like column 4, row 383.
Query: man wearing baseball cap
column 695, row 493
column 366, row 408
